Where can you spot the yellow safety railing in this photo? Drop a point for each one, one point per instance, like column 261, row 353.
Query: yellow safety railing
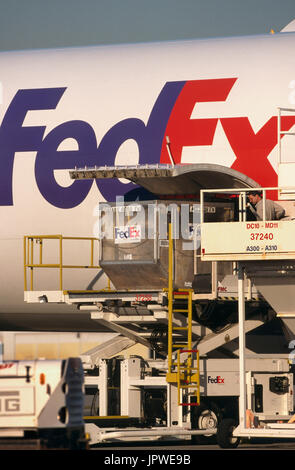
column 170, row 299
column 30, row 262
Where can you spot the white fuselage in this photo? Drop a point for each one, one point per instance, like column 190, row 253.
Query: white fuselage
column 216, row 100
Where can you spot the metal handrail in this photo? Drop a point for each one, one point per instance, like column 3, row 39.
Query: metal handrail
column 31, row 265
column 240, row 192
column 280, row 132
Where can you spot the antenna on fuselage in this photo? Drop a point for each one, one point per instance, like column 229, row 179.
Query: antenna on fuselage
column 169, row 150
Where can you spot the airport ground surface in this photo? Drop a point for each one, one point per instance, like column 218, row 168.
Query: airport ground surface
column 261, row 444
column 148, row 454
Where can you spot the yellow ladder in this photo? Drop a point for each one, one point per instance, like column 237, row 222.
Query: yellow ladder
column 183, row 373
column 188, row 378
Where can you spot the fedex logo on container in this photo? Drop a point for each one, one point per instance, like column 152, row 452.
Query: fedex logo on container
column 170, row 115
column 127, row 234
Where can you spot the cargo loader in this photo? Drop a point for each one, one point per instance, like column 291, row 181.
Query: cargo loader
column 162, row 292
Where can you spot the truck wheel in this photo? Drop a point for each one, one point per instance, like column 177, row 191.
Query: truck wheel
column 206, row 416
column 225, row 438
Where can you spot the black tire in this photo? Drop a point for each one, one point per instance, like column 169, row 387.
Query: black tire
column 225, row 438
column 205, row 416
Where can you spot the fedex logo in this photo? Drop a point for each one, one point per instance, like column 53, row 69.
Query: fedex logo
column 215, row 380
column 127, row 234
column 170, row 115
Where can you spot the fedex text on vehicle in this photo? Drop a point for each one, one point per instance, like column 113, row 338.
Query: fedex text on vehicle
column 215, row 380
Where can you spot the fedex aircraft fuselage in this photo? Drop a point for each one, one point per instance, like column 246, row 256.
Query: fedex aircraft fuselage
column 216, row 100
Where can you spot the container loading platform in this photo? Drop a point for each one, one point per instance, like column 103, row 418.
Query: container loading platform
column 165, row 289
column 134, row 300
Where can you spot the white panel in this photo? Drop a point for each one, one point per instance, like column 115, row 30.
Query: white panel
column 286, row 178
column 248, row 240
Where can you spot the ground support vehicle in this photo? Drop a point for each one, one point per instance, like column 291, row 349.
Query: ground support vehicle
column 131, row 398
column 181, row 304
column 42, row 401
